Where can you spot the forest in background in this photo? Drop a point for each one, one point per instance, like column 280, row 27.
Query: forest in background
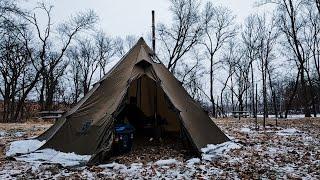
column 270, row 64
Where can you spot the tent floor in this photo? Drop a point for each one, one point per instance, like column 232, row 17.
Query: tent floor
column 144, row 150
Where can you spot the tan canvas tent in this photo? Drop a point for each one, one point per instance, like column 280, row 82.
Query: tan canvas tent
column 88, row 127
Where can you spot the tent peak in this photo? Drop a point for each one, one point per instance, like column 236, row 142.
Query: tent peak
column 141, row 41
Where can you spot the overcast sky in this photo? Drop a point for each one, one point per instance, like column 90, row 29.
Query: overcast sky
column 124, row 17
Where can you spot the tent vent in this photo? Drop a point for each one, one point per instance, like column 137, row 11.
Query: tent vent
column 143, row 64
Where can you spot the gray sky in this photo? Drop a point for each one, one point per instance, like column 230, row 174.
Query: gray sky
column 123, row 17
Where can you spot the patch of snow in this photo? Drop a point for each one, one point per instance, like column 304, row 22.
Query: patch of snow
column 115, row 166
column 132, row 170
column 24, row 146
column 9, row 174
column 288, row 168
column 288, row 132
column 166, row 162
column 87, row 175
column 245, row 130
column 296, row 116
column 19, row 134
column 3, row 133
column 290, row 116
column 307, row 138
column 55, row 157
column 273, row 150
column 235, row 160
column 213, row 151
column 111, row 169
column 193, row 161
column 220, row 148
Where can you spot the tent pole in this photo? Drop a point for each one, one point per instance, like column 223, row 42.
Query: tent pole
column 158, row 130
column 139, row 92
column 153, row 33
column 155, row 103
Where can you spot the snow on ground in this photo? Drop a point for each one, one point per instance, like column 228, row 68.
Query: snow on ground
column 288, row 132
column 54, row 157
column 290, row 151
column 2, row 133
column 245, row 130
column 27, row 151
column 166, row 162
column 290, row 116
column 19, row 134
column 193, row 161
column 214, row 151
column 24, row 146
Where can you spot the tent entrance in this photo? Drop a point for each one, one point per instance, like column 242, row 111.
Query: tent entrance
column 156, row 121
column 146, row 106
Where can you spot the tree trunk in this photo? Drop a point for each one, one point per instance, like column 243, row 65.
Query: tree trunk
column 288, row 105
column 41, row 97
column 211, row 88
column 50, row 89
column 252, row 83
column 240, row 103
column 312, row 95
column 256, row 108
column 264, row 93
column 305, row 98
column 232, row 98
column 273, row 98
column 221, row 105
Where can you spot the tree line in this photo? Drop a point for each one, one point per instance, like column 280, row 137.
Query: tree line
column 49, row 62
column 268, row 64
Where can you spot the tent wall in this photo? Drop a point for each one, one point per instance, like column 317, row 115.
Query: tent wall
column 199, row 125
column 83, row 129
column 98, row 105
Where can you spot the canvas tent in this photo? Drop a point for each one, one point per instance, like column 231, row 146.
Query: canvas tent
column 88, row 127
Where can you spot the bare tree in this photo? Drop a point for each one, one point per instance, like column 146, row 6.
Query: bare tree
column 16, row 73
column 231, row 57
column 238, row 73
column 312, row 38
column 15, row 69
column 85, row 63
column 75, row 74
column 42, row 60
column 86, row 56
column 8, row 8
column 219, row 28
column 106, row 50
column 250, row 40
column 267, row 39
column 191, row 73
column 318, row 5
column 49, row 61
column 242, row 78
column 291, row 24
column 122, row 45
column 183, row 34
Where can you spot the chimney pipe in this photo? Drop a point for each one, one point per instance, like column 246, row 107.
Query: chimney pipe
column 153, row 34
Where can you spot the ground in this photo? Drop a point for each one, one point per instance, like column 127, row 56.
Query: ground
column 290, row 150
